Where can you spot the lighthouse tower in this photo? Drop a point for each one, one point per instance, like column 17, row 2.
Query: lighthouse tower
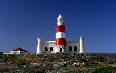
column 60, row 35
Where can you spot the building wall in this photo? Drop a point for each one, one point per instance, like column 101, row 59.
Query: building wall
column 75, row 46
column 19, row 52
column 15, row 52
column 46, row 47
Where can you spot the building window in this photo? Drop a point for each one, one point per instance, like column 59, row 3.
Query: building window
column 75, row 48
column 51, row 48
column 60, row 49
column 70, row 48
column 46, row 49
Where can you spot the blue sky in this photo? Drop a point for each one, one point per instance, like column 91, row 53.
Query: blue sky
column 23, row 21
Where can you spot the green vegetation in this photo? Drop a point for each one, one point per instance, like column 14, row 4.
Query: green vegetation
column 105, row 70
column 60, row 62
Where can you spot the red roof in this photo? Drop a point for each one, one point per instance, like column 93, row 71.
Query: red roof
column 19, row 49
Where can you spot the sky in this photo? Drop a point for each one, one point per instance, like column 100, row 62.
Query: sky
column 23, row 21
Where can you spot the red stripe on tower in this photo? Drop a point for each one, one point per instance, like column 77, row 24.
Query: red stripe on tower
column 60, row 32
column 60, row 28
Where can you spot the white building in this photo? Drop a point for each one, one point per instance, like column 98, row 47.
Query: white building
column 17, row 51
column 60, row 45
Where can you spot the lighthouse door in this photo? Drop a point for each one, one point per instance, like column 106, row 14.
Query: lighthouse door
column 60, row 49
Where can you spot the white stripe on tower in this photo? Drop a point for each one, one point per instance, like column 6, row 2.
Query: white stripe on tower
column 60, row 32
column 60, row 35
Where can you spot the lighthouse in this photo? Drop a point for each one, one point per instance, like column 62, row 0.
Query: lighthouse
column 60, row 35
column 60, row 44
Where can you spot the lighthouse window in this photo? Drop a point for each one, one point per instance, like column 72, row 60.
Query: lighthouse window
column 70, row 48
column 75, row 48
column 51, row 48
column 46, row 49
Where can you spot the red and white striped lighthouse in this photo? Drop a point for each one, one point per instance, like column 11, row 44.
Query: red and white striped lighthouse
column 60, row 35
